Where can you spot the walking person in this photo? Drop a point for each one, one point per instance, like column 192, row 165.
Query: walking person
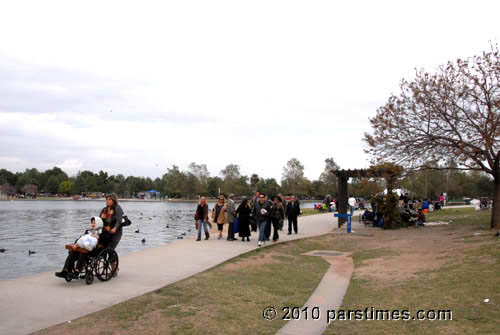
column 112, row 215
column 262, row 210
column 352, row 204
column 201, row 217
column 231, row 213
column 277, row 216
column 253, row 220
column 267, row 231
column 283, row 203
column 292, row 212
column 243, row 214
column 219, row 214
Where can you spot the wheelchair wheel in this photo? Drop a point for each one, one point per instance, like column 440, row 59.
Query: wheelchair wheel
column 106, row 264
column 89, row 278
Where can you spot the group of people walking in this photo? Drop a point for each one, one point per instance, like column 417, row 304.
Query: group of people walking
column 258, row 213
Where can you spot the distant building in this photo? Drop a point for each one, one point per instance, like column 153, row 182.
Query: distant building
column 149, row 195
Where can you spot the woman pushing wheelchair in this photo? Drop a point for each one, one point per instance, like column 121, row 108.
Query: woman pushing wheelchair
column 98, row 244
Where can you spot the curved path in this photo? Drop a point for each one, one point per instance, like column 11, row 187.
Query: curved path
column 36, row 302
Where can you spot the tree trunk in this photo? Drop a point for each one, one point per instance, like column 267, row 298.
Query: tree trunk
column 495, row 213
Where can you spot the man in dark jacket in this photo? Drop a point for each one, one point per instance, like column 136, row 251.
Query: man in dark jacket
column 292, row 212
column 262, row 212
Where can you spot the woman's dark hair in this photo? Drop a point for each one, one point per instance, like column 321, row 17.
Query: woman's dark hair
column 244, row 202
column 113, row 198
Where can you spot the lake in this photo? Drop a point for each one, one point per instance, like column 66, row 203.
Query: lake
column 47, row 226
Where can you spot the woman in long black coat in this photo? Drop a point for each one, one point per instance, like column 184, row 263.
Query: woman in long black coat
column 243, row 213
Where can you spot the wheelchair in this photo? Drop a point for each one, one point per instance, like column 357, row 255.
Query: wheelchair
column 99, row 264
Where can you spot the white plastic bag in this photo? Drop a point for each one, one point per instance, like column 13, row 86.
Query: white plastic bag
column 87, row 241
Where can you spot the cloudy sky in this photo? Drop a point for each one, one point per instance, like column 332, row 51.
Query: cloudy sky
column 134, row 87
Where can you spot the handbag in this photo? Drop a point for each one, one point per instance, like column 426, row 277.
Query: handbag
column 235, row 225
column 196, row 216
column 196, row 224
column 126, row 221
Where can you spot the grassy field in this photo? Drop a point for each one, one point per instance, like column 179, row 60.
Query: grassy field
column 450, row 267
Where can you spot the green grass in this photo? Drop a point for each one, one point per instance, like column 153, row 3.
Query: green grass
column 471, row 274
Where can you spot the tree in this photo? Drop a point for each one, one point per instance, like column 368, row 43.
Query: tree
column 451, row 114
column 191, row 186
column 52, row 184
column 254, row 181
column 293, row 176
column 231, row 171
column 174, row 181
column 30, row 189
column 8, row 189
column 28, row 177
column 49, row 180
column 66, row 187
column 269, row 186
column 234, row 182
column 328, row 178
column 201, row 173
column 7, row 177
column 214, row 185
column 318, row 189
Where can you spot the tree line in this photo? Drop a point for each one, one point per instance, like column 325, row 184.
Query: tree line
column 175, row 183
column 196, row 180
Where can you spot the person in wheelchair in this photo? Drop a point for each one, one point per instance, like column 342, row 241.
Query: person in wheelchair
column 80, row 250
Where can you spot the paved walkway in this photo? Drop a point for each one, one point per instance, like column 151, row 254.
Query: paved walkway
column 327, row 297
column 33, row 303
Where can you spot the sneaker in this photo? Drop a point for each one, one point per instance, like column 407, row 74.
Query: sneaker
column 260, row 243
column 207, row 237
column 289, row 233
column 198, row 239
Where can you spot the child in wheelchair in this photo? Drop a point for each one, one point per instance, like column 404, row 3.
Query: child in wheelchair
column 80, row 251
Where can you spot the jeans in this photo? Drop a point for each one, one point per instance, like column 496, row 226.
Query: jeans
column 267, row 231
column 262, row 229
column 351, row 208
column 203, row 224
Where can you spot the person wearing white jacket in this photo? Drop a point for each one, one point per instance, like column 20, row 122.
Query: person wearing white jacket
column 352, row 204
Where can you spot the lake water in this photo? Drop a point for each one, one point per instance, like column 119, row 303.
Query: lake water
column 47, row 226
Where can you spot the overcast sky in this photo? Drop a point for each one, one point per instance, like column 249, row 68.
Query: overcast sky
column 134, row 87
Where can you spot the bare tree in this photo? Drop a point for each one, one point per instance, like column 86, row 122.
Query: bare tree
column 30, row 189
column 453, row 113
column 293, row 177
column 231, row 171
column 254, row 180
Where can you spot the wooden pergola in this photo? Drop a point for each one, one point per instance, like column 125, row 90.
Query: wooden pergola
column 388, row 171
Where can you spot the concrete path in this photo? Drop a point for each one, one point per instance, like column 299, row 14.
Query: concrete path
column 327, row 297
column 33, row 303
